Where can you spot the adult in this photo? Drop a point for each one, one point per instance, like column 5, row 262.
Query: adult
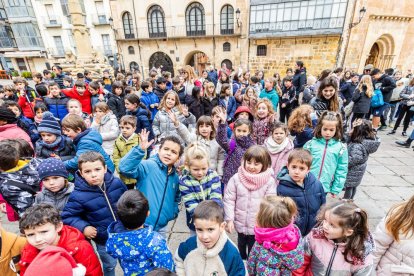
column 395, row 100
column 212, row 75
column 299, row 78
column 323, row 75
column 406, row 143
column 190, row 79
column 407, row 109
column 59, row 76
column 347, row 90
column 327, row 98
column 367, row 70
column 386, row 84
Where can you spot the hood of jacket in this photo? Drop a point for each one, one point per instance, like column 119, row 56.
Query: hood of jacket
column 60, row 194
column 82, row 185
column 371, row 145
column 88, row 135
column 107, row 117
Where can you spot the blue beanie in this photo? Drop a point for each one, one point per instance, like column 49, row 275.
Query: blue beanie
column 52, row 167
column 49, row 124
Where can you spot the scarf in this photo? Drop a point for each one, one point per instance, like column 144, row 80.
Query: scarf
column 280, row 239
column 37, row 120
column 274, row 147
column 254, row 182
column 53, row 145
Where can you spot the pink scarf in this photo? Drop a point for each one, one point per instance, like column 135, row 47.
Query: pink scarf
column 280, row 239
column 254, row 181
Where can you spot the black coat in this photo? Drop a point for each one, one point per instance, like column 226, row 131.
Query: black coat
column 209, row 105
column 299, row 80
column 347, row 91
column 362, row 102
column 387, row 85
column 195, row 106
column 159, row 92
column 117, row 105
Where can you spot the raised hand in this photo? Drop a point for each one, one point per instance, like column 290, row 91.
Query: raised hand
column 144, row 143
column 223, row 116
column 173, row 118
column 184, row 109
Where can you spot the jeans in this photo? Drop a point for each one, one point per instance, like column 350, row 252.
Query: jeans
column 350, row 192
column 108, row 263
column 245, row 244
column 285, row 114
column 405, row 111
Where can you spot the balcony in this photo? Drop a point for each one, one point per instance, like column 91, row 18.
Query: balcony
column 209, row 30
column 29, row 43
column 20, row 13
column 99, row 19
column 56, row 52
column 52, row 22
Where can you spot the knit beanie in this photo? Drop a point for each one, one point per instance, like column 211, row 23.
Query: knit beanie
column 49, row 124
column 7, row 115
column 52, row 167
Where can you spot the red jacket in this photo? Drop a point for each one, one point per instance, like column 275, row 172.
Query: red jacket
column 85, row 99
column 28, row 101
column 73, row 241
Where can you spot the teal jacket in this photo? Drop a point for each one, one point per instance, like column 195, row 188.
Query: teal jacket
column 160, row 188
column 329, row 164
column 272, row 96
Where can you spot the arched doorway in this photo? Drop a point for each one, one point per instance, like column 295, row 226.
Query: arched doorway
column 373, row 55
column 161, row 59
column 228, row 63
column 381, row 54
column 133, row 67
column 198, row 60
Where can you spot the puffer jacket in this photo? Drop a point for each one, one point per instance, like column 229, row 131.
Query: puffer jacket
column 319, row 250
column 216, row 153
column 116, row 104
column 143, row 122
column 241, row 205
column 279, row 158
column 57, row 106
column 329, row 164
column 12, row 131
column 195, row 106
column 159, row 92
column 163, row 126
column 121, row 148
column 30, row 127
column 358, row 154
column 272, row 96
column 88, row 140
column 149, row 98
column 65, row 149
column 209, row 104
column 58, row 199
column 362, row 103
column 261, row 128
column 393, row 258
column 11, row 249
column 109, row 130
column 89, row 205
column 308, row 198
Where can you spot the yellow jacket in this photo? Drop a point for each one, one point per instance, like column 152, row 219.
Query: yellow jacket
column 11, row 247
column 121, row 148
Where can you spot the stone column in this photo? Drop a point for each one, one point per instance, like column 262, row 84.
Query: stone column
column 80, row 32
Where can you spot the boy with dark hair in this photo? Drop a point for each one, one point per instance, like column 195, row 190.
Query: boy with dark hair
column 297, row 182
column 138, row 248
column 107, row 79
column 161, row 88
column 347, row 90
column 26, row 97
column 56, row 102
column 67, row 82
column 25, row 123
column 149, row 98
column 211, row 252
column 38, row 80
column 84, row 140
column 88, row 76
column 94, row 88
column 82, row 94
column 47, row 76
column 167, row 76
column 91, row 207
column 255, row 83
column 288, row 99
column 43, row 227
column 179, row 89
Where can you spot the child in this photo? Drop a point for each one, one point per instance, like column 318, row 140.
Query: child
column 197, row 181
column 52, row 142
column 210, row 99
column 39, row 109
column 341, row 244
column 80, row 93
column 330, row 156
column 156, row 178
column 211, row 252
column 242, row 112
column 106, row 123
column 43, row 227
column 301, row 124
column 27, row 96
column 237, row 145
column 94, row 87
column 162, row 125
column 10, row 93
column 205, row 136
column 393, row 253
column 91, row 207
column 116, row 99
column 137, row 109
column 26, row 124
column 75, row 107
column 161, row 88
column 228, row 101
column 296, row 181
column 265, row 117
column 249, row 99
column 67, row 81
column 84, row 140
column 361, row 144
column 56, row 102
column 278, row 248
column 194, row 103
column 9, row 127
column 124, row 143
column 179, row 88
column 288, row 100
column 279, row 146
column 149, row 99
column 269, row 93
column 56, row 188
column 138, row 248
column 107, row 80
column 215, row 117
column 243, row 193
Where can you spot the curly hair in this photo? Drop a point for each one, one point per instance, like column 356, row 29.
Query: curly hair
column 300, row 118
column 268, row 104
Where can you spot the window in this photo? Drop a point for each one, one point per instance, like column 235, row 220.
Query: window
column 106, row 45
column 226, row 47
column 195, row 23
column 131, row 50
column 6, row 37
column 27, row 35
column 261, row 50
column 50, row 14
column 65, row 8
column 128, row 25
column 156, row 22
column 100, row 12
column 227, row 20
column 60, row 50
column 133, row 66
column 21, row 64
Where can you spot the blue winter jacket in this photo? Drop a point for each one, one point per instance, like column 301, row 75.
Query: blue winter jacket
column 57, row 106
column 30, row 127
column 231, row 107
column 88, row 205
column 142, row 121
column 149, row 99
column 160, row 188
column 139, row 251
column 308, row 198
column 89, row 140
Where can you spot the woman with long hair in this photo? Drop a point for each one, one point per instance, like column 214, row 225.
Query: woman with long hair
column 327, row 98
column 362, row 98
column 190, row 79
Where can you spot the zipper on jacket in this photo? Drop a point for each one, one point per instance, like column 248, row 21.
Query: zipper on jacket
column 107, row 201
column 162, row 200
column 323, row 159
column 328, row 269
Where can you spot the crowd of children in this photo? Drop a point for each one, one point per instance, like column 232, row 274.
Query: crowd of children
column 109, row 162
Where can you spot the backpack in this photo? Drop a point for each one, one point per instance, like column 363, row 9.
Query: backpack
column 377, row 99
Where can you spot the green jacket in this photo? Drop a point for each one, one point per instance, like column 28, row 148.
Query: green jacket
column 329, row 164
column 121, row 148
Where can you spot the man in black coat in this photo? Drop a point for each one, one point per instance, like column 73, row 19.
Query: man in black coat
column 386, row 84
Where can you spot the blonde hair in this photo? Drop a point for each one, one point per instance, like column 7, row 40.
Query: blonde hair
column 400, row 219
column 190, row 72
column 210, row 84
column 164, row 99
column 276, row 212
column 74, row 101
column 367, row 82
column 300, row 118
column 268, row 104
column 102, row 106
column 195, row 151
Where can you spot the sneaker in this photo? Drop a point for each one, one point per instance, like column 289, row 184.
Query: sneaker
column 404, row 133
column 391, row 132
column 382, row 128
column 404, row 144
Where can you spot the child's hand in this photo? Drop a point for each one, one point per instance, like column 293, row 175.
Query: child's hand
column 230, row 226
column 151, row 105
column 223, row 116
column 144, row 143
column 173, row 118
column 184, row 109
column 101, row 97
column 156, row 104
column 90, row 232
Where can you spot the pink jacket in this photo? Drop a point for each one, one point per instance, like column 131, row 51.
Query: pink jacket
column 11, row 214
column 12, row 131
column 279, row 159
column 241, row 205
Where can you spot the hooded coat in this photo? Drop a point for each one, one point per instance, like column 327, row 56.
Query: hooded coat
column 11, row 248
column 272, row 96
column 116, row 104
column 58, row 199
column 121, row 148
column 109, row 130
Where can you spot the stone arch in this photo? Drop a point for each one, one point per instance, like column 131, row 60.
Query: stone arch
column 381, row 53
column 197, row 59
column 161, row 58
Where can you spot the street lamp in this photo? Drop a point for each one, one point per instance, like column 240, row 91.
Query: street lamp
column 362, row 12
column 238, row 17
